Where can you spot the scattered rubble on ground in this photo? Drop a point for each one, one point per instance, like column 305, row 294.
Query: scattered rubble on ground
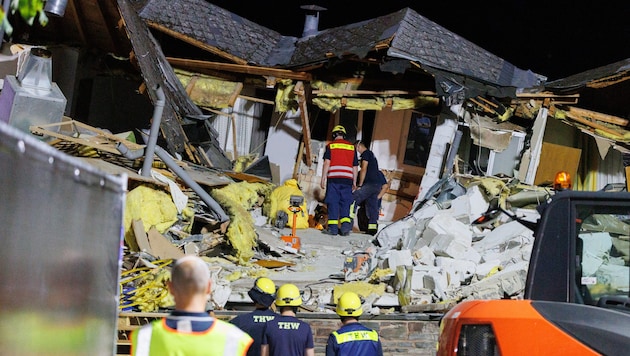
column 427, row 261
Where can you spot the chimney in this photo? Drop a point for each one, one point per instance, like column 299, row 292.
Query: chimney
column 36, row 73
column 311, row 23
column 32, row 98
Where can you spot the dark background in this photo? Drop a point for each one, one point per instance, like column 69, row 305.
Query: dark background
column 552, row 38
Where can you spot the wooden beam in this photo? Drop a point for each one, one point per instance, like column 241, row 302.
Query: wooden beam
column 372, row 92
column 102, row 18
column 78, row 20
column 298, row 161
column 588, row 123
column 306, row 129
column 599, row 116
column 195, row 64
column 196, row 43
column 157, row 71
column 234, row 137
column 258, row 100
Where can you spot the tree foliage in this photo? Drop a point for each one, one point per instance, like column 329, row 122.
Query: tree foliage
column 29, row 10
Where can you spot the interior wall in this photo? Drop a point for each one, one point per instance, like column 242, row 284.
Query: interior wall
column 387, row 137
column 283, row 141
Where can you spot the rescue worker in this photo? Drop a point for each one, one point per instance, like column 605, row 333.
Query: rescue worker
column 189, row 330
column 286, row 335
column 371, row 181
column 339, row 179
column 263, row 294
column 352, row 338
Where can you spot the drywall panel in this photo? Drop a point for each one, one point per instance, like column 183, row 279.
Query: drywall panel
column 555, row 158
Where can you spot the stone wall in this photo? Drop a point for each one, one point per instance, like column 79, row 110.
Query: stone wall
column 401, row 334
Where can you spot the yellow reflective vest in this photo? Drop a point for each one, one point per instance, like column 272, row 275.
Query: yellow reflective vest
column 221, row 339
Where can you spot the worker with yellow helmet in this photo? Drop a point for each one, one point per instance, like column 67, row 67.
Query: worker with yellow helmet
column 352, row 338
column 263, row 294
column 339, row 178
column 286, row 335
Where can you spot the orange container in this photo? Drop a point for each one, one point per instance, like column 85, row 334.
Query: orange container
column 292, row 241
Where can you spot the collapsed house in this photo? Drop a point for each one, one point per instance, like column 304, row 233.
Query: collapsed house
column 236, row 91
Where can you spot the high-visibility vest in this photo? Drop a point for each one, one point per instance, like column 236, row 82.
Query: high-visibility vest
column 342, row 156
column 221, row 339
column 357, row 335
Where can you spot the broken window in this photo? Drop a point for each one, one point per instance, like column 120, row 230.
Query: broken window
column 603, row 255
column 419, row 136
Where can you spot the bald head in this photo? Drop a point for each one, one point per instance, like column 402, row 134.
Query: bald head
column 190, row 280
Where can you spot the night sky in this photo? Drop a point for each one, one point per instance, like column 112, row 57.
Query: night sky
column 552, row 38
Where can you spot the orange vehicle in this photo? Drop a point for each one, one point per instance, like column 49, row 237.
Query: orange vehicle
column 577, row 292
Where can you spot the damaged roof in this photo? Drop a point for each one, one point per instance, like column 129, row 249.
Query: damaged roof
column 597, row 77
column 408, row 35
column 203, row 24
column 405, row 34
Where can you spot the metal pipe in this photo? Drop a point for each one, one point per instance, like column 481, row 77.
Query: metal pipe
column 166, row 158
column 170, row 163
column 153, row 134
column 56, row 7
column 127, row 153
column 450, row 160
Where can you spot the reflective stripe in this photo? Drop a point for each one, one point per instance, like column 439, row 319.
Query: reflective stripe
column 340, row 172
column 346, row 220
column 333, row 222
column 231, row 345
column 342, row 146
column 342, row 168
column 225, row 338
column 143, row 346
column 372, row 226
column 363, row 335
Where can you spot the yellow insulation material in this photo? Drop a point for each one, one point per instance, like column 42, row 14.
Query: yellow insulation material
column 414, row 103
column 365, row 104
column 363, row 289
column 244, row 161
column 280, row 198
column 238, row 199
column 153, row 207
column 328, row 104
column 285, row 97
column 208, row 91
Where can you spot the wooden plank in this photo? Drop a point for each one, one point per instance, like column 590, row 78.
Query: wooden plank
column 298, row 161
column 257, row 100
column 157, row 71
column 306, row 126
column 162, row 248
column 372, row 92
column 599, row 116
column 555, row 158
column 593, row 124
column 198, row 65
column 85, row 135
column 141, row 236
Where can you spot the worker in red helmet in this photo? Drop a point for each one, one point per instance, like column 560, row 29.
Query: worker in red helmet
column 339, row 179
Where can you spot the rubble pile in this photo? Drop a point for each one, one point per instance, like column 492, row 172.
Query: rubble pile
column 448, row 258
column 428, row 260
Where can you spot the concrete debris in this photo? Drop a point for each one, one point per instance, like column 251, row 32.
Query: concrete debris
column 455, row 260
column 446, row 257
